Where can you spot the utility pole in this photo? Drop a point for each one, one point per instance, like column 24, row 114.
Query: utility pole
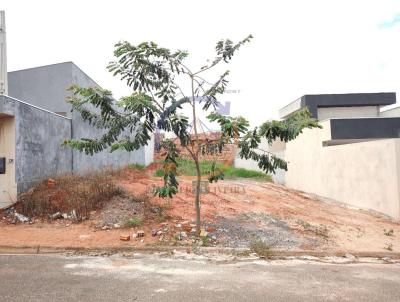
column 3, row 54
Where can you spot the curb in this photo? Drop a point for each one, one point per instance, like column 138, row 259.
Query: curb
column 29, row 250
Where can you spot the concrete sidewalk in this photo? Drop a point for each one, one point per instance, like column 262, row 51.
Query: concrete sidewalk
column 153, row 278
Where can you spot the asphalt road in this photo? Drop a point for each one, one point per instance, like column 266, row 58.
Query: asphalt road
column 151, row 278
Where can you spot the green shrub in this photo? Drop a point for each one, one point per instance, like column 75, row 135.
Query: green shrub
column 133, row 222
column 261, row 248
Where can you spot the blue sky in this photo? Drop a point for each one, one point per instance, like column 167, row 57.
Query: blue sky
column 299, row 47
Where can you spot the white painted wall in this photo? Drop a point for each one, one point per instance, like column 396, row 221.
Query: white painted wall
column 364, row 174
column 394, row 112
column 347, row 112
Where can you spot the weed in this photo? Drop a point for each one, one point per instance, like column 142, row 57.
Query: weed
column 389, row 247
column 71, row 194
column 133, row 222
column 304, row 224
column 136, row 166
column 321, row 231
column 206, row 241
column 261, row 248
column 388, row 232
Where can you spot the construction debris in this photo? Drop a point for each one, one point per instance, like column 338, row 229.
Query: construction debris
column 140, row 233
column 21, row 217
column 56, row 215
column 125, row 237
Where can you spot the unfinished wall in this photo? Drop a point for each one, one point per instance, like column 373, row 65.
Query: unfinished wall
column 46, row 87
column 38, row 137
column 364, row 174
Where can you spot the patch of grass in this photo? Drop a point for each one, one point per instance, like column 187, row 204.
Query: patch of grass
column 304, row 224
column 262, row 249
column 232, row 172
column 206, row 241
column 388, row 232
column 159, row 173
column 136, row 166
column 133, row 222
column 187, row 167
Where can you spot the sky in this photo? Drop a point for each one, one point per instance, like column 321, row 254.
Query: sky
column 299, row 47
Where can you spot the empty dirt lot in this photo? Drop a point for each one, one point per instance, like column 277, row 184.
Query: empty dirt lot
column 234, row 212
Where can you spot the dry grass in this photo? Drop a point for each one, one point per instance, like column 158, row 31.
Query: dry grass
column 71, row 194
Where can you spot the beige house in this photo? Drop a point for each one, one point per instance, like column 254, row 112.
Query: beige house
column 354, row 158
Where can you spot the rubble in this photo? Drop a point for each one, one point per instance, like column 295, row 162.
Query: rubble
column 124, row 237
column 56, row 215
column 140, row 233
column 21, row 217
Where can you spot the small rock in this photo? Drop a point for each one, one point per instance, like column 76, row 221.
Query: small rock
column 183, row 234
column 154, row 232
column 350, row 256
column 134, row 235
column 116, row 225
column 214, row 238
column 178, row 225
column 210, row 229
column 159, row 233
column 106, row 227
column 387, row 259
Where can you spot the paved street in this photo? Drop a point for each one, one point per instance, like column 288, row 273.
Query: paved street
column 151, row 278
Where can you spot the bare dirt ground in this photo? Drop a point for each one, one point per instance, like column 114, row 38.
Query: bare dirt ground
column 234, row 213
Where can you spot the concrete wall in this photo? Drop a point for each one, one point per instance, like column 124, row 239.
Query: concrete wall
column 347, row 112
column 364, row 174
column 46, row 87
column 38, row 137
column 277, row 147
column 394, row 112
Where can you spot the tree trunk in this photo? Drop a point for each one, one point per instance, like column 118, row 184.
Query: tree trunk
column 197, row 199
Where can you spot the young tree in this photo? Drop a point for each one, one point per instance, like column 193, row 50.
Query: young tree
column 157, row 102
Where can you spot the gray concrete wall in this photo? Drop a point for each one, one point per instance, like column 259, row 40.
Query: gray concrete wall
column 46, row 87
column 38, row 137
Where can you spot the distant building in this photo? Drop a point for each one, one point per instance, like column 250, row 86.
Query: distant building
column 354, row 158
